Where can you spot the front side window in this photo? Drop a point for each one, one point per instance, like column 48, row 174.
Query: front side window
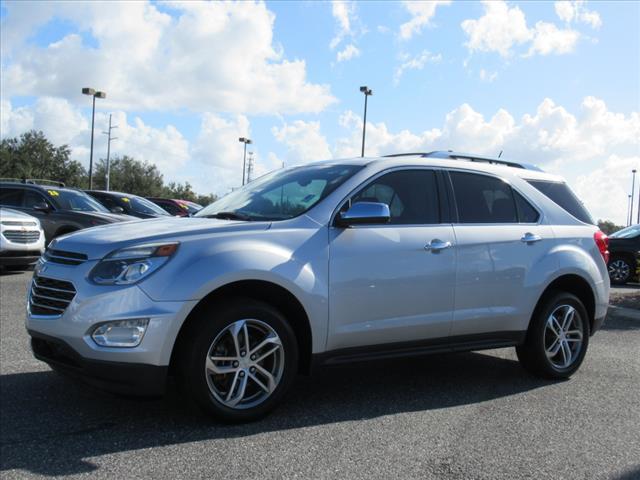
column 11, row 197
column 412, row 196
column 483, row 199
column 282, row 194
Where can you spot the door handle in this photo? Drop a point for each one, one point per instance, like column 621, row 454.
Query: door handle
column 530, row 238
column 436, row 245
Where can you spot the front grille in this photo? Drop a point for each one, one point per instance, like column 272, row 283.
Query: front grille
column 19, row 236
column 16, row 223
column 66, row 258
column 49, row 296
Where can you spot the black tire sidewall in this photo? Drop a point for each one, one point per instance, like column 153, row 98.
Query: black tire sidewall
column 210, row 323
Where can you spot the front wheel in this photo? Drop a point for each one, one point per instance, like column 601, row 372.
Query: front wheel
column 240, row 360
column 557, row 339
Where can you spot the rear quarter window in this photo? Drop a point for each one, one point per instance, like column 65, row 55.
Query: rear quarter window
column 562, row 195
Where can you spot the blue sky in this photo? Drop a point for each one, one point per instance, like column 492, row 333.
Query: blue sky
column 552, row 83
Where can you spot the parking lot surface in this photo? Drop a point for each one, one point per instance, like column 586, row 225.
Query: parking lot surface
column 463, row 416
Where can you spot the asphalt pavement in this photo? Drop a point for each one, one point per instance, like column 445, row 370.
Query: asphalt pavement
column 462, row 416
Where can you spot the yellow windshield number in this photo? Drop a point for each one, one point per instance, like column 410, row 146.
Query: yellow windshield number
column 53, row 193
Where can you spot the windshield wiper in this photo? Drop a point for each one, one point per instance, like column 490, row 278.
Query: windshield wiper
column 229, row 216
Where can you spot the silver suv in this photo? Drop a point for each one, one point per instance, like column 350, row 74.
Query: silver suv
column 332, row 262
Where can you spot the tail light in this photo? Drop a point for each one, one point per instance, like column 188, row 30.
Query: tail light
column 602, row 241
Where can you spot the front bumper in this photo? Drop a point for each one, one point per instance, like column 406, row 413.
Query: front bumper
column 117, row 377
column 94, row 304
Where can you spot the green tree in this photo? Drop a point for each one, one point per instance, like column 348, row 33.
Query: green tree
column 131, row 176
column 608, row 227
column 185, row 192
column 33, row 156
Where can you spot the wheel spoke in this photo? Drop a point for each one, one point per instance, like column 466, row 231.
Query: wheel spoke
column 576, row 334
column 240, row 395
column 270, row 339
column 271, row 382
column 233, row 386
column 553, row 349
column 567, row 318
column 247, row 345
column 566, row 353
column 218, row 369
column 269, row 352
column 259, row 383
column 234, row 330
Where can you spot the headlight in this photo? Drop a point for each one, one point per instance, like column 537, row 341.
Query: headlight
column 129, row 265
column 120, row 333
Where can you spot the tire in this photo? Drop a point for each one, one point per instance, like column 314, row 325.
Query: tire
column 216, row 385
column 537, row 353
column 621, row 270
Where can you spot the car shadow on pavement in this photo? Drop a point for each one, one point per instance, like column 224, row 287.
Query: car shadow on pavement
column 51, row 425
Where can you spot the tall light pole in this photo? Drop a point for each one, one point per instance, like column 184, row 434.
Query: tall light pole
column 94, row 94
column 109, row 140
column 246, row 141
column 367, row 91
column 633, row 191
column 628, row 210
column 249, row 167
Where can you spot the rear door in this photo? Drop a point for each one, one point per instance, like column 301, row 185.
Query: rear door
column 499, row 239
column 385, row 286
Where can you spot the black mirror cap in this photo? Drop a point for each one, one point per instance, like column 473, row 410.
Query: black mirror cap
column 42, row 207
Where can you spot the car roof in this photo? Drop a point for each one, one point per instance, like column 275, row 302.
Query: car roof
column 38, row 186
column 112, row 192
column 451, row 159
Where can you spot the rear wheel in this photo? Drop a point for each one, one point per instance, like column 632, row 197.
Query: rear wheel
column 620, row 270
column 558, row 337
column 240, row 361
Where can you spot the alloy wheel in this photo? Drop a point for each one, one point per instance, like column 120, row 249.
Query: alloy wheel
column 619, row 270
column 563, row 336
column 244, row 364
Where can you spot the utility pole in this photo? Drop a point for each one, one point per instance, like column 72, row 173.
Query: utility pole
column 367, row 91
column 110, row 139
column 628, row 210
column 249, row 166
column 94, row 94
column 633, row 192
column 246, row 141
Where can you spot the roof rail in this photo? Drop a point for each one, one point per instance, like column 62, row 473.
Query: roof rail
column 468, row 157
column 34, row 181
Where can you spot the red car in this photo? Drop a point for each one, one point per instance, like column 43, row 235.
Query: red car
column 178, row 208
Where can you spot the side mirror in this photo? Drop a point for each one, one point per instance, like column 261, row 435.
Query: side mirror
column 42, row 207
column 364, row 213
column 116, row 209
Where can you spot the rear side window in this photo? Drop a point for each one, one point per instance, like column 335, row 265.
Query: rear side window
column 483, row 199
column 561, row 194
column 412, row 196
column 526, row 213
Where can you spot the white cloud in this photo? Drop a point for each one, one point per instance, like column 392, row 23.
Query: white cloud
column 349, row 52
column 503, row 28
column 421, row 14
column 550, row 39
column 595, row 140
column 303, row 140
column 216, row 56
column 416, row 62
column 575, row 11
column 487, row 76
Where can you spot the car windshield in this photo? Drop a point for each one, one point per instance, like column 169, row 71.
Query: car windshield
column 282, row 194
column 191, row 207
column 74, row 200
column 629, row 232
column 142, row 205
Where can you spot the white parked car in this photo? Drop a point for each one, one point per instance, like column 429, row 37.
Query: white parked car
column 21, row 239
column 332, row 262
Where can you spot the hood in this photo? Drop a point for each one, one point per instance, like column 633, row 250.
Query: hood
column 9, row 214
column 98, row 241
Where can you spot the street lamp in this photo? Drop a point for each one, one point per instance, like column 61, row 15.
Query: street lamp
column 367, row 91
column 94, row 94
column 246, row 141
column 628, row 210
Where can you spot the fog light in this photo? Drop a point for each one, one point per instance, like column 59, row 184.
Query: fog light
column 120, row 333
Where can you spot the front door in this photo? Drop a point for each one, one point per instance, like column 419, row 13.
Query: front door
column 393, row 283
